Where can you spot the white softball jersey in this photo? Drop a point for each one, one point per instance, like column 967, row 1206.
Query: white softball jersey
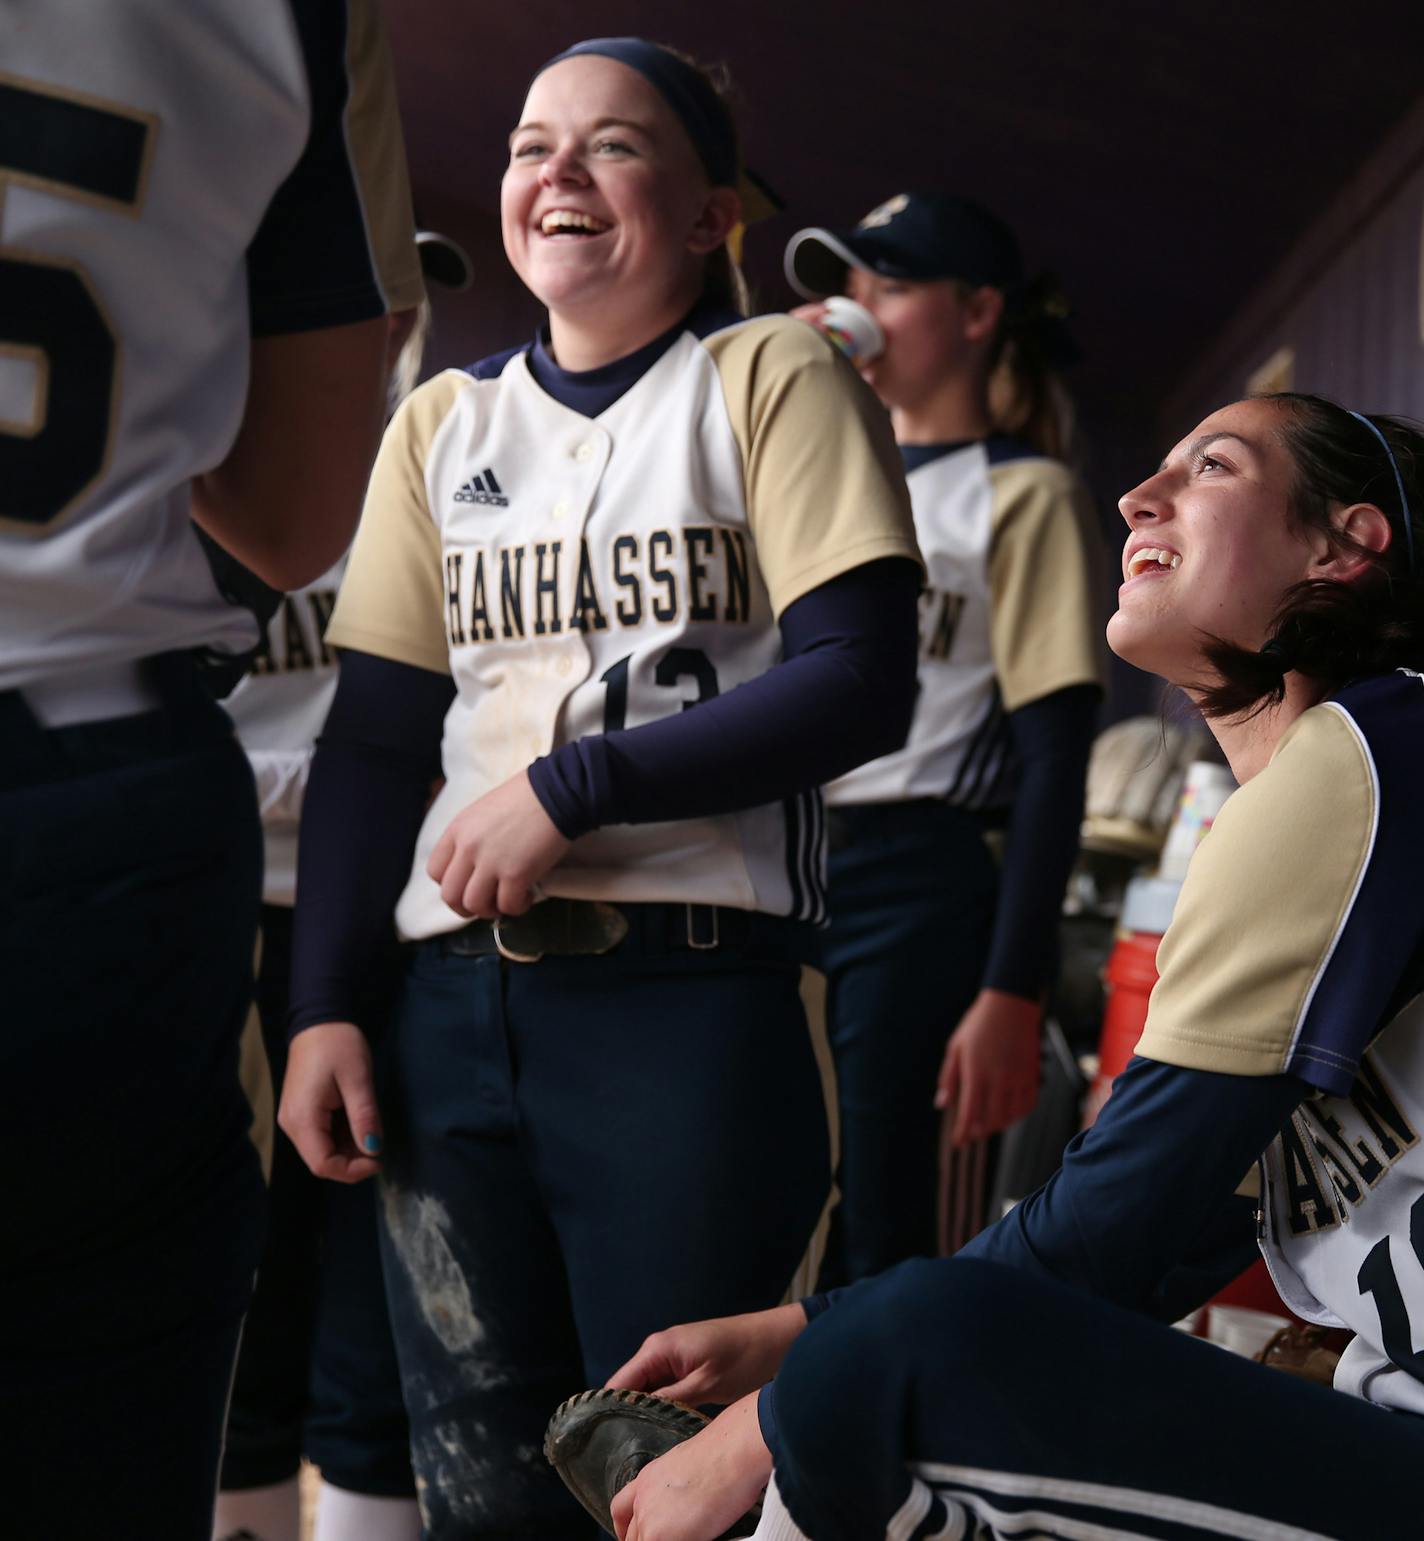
column 1011, row 612
column 138, row 164
column 576, row 575
column 278, row 709
column 1296, row 946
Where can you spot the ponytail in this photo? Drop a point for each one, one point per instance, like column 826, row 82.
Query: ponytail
column 723, row 284
column 1027, row 397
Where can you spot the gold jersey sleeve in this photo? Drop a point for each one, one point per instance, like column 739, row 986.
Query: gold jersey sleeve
column 825, row 490
column 377, row 149
column 392, row 602
column 1263, row 904
column 1046, row 570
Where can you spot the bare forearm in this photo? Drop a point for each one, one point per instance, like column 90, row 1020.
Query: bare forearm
column 286, row 499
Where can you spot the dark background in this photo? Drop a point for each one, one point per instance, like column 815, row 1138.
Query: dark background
column 1165, row 160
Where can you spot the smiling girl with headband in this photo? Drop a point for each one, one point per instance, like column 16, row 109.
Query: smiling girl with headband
column 1032, row 1383
column 633, row 591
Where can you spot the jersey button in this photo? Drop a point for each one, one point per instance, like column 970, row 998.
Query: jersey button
column 584, row 452
column 563, row 666
column 560, row 509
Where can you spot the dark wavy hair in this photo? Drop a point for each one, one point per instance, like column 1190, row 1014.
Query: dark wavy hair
column 1329, row 630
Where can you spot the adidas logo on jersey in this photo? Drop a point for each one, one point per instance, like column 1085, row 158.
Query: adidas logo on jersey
column 482, row 489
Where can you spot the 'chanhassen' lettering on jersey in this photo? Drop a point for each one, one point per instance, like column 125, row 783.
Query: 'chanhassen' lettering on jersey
column 277, row 710
column 123, row 368
column 1297, row 946
column 637, row 566
column 1011, row 612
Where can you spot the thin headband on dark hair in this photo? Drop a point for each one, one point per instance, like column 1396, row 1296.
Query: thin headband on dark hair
column 1404, row 510
column 699, row 109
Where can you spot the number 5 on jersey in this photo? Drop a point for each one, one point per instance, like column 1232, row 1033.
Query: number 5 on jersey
column 59, row 356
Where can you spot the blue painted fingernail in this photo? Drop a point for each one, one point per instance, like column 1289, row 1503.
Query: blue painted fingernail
column 372, row 1145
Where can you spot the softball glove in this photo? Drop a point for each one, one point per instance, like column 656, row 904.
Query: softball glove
column 599, row 1441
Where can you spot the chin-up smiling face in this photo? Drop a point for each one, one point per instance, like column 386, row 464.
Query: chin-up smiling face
column 602, row 198
column 1212, row 544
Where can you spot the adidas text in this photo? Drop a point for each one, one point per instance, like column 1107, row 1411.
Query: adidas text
column 483, row 489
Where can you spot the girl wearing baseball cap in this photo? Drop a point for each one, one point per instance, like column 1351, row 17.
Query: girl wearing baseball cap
column 930, row 939
column 631, row 593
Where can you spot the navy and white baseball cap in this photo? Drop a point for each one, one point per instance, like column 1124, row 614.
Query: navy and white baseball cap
column 917, row 236
column 443, row 260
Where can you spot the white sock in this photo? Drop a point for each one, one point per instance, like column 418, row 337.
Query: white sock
column 775, row 1523
column 346, row 1516
column 267, row 1513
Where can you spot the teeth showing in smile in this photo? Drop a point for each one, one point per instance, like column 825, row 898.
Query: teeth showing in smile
column 1150, row 557
column 571, row 222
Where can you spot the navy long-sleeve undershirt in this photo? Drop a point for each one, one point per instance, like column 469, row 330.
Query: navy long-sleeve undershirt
column 376, row 761
column 1052, row 739
column 1144, row 1210
column 843, row 694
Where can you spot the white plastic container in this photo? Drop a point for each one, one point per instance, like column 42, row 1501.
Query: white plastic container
column 1148, row 903
column 1241, row 1329
column 1207, row 787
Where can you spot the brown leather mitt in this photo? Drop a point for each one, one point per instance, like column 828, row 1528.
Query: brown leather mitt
column 1309, row 1352
column 599, row 1441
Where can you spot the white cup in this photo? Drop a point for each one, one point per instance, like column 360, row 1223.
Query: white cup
column 853, row 329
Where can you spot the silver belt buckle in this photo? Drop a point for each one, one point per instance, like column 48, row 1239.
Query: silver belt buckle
column 506, row 951
column 578, row 929
column 607, row 926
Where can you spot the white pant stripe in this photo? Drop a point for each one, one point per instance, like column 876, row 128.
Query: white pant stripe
column 1121, row 1501
column 910, row 1513
column 956, row 1525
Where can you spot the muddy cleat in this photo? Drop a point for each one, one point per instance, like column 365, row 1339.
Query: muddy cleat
column 599, row 1441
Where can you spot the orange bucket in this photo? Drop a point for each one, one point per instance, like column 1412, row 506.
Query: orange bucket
column 1129, row 976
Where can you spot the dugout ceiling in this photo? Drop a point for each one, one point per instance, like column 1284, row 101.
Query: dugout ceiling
column 1160, row 157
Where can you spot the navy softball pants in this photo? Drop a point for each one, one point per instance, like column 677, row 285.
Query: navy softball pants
column 130, row 872
column 580, row 1151
column 317, row 1374
column 912, row 895
column 959, row 1398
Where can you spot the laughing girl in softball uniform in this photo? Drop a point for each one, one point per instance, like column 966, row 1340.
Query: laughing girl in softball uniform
column 1031, row 1385
column 633, row 591
column 930, row 940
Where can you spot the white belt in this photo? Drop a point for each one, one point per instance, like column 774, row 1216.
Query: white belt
column 91, row 695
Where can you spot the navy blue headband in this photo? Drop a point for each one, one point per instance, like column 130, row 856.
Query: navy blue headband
column 1404, row 512
column 698, row 107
